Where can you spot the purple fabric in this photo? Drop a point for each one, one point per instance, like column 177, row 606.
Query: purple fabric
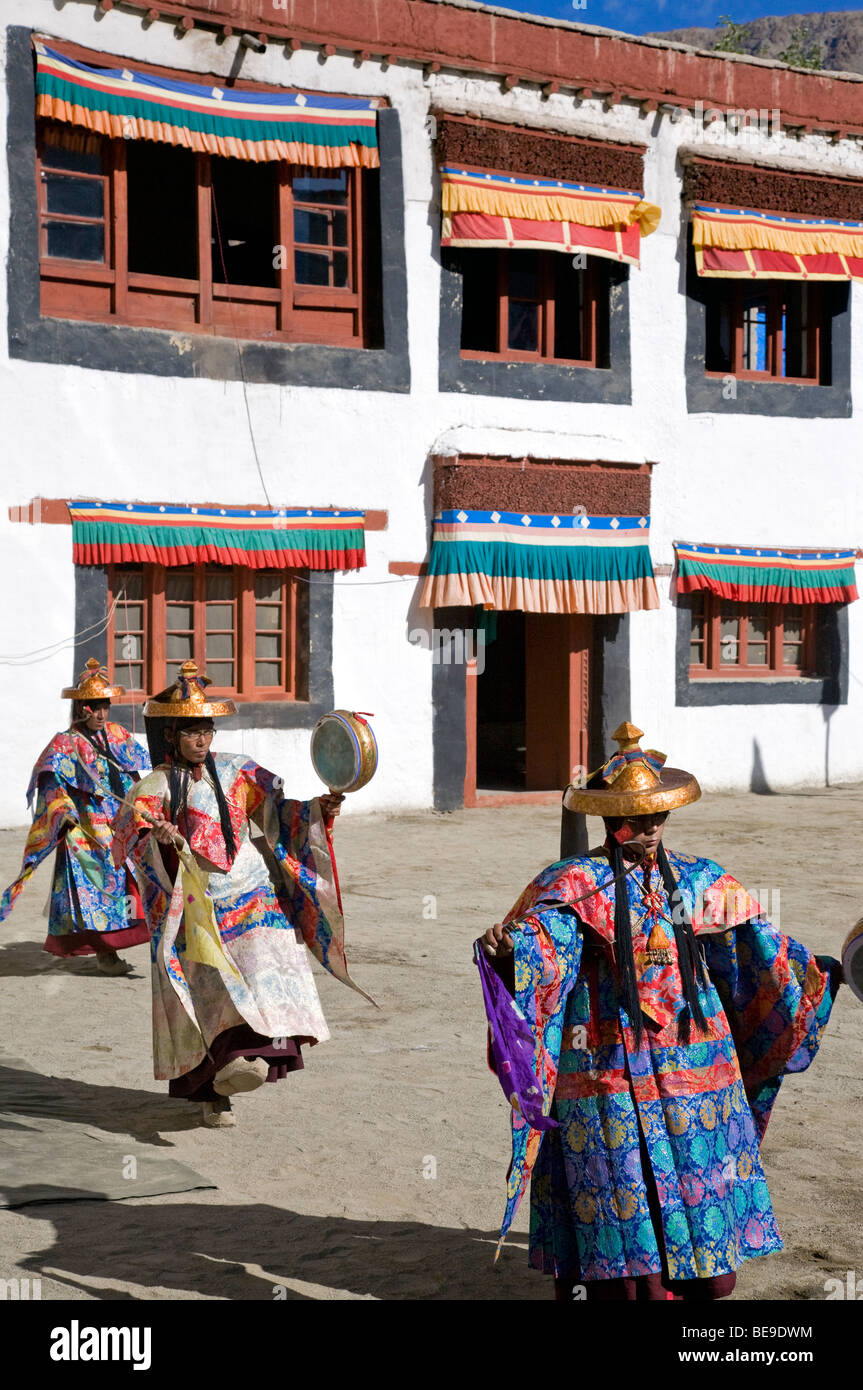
column 512, row 1045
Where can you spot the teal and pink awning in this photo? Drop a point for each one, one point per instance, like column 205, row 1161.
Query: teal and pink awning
column 123, row 533
column 307, row 128
column 766, row 575
column 540, row 564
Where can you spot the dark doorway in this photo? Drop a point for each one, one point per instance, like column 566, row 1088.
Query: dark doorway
column 527, row 703
column 500, row 705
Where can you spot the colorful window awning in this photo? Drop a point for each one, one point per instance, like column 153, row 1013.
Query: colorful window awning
column 324, row 132
column 105, row 533
column 483, row 209
column 766, row 575
column 739, row 243
column 540, row 564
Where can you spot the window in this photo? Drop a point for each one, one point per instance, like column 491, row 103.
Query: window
column 245, row 628
column 534, row 306
column 731, row 639
column 141, row 233
column 773, row 330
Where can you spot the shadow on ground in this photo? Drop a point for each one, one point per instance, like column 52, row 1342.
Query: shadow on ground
column 27, row 958
column 122, row 1110
column 265, row 1252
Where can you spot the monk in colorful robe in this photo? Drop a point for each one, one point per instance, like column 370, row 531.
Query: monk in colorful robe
column 234, row 998
column 643, row 1013
column 79, row 782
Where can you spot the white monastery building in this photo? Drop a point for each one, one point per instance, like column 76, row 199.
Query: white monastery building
column 498, row 377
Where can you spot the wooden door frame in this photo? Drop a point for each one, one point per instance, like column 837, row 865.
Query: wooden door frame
column 579, row 684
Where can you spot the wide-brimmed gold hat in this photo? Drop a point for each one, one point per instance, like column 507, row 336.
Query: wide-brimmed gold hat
column 93, row 684
column 187, row 698
column 634, row 782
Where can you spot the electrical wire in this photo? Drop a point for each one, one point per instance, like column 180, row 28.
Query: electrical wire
column 36, row 656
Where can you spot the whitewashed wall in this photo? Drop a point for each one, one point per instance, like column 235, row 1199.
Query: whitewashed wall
column 70, row 431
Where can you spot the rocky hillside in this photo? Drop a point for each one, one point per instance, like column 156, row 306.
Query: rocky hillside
column 839, row 36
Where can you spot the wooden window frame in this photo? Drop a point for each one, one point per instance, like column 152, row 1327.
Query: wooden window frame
column 775, row 292
column 547, row 308
column 154, row 659
column 300, row 313
column 711, row 667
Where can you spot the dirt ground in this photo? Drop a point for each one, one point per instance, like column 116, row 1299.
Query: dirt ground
column 379, row 1171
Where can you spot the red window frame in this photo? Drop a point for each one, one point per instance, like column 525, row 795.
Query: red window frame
column 288, row 311
column 776, row 293
column 154, row 659
column 593, row 286
column 708, row 610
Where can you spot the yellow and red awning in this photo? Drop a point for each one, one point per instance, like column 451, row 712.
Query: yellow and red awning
column 315, row 129
column 741, row 243
column 483, row 209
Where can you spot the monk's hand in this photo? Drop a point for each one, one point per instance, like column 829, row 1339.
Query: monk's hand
column 164, row 830
column 331, row 804
column 497, row 941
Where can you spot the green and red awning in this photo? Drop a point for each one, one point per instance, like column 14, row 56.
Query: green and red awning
column 122, row 533
column 314, row 129
column 536, row 563
column 766, row 575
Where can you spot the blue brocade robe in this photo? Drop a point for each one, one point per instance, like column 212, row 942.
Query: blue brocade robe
column 694, row 1111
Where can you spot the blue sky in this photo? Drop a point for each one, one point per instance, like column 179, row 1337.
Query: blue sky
column 645, row 16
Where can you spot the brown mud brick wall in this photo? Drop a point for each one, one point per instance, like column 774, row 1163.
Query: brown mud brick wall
column 552, row 486
column 514, row 150
column 744, row 185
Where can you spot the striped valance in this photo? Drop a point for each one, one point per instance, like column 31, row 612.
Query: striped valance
column 766, row 575
column 484, row 209
column 540, row 564
column 322, row 131
column 105, row 533
column 739, row 243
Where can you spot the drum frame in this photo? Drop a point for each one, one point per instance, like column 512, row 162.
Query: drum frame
column 365, row 747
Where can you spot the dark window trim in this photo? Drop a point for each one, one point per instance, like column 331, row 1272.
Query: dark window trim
column 533, row 380
column 832, row 655
column 170, row 352
column 91, row 599
column 709, row 393
column 594, row 285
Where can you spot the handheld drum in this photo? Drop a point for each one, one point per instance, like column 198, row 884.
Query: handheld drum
column 852, row 959
column 344, row 750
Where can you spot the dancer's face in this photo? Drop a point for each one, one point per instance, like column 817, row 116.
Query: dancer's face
column 96, row 714
column 642, row 830
column 194, row 739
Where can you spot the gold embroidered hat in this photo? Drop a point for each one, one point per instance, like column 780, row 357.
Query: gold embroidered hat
column 187, row 698
column 93, row 684
column 634, row 782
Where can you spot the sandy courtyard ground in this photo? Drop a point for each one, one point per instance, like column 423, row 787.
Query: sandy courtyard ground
column 322, row 1189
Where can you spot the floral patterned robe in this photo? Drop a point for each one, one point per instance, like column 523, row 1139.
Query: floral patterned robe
column 690, row 1112
column 253, row 967
column 74, row 815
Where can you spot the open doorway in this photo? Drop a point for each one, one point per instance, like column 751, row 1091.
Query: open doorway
column 527, row 706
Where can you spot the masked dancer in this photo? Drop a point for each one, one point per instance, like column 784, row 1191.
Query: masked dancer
column 79, row 782
column 234, row 998
column 643, row 1013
